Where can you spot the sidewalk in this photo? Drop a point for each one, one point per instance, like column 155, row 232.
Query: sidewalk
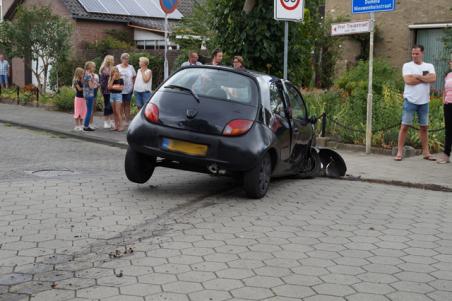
column 414, row 170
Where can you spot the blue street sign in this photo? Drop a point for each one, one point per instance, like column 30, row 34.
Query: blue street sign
column 369, row 6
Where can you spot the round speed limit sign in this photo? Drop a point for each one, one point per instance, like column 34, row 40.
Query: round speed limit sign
column 289, row 10
column 290, row 4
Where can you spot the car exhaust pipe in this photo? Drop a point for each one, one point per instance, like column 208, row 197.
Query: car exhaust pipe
column 332, row 164
column 213, row 168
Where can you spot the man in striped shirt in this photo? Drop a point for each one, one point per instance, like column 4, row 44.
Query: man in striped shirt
column 4, row 71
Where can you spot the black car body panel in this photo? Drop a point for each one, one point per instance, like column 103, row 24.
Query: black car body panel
column 234, row 154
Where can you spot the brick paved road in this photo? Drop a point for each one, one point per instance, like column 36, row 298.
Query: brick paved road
column 64, row 233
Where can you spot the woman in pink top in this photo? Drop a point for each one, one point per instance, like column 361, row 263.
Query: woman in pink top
column 447, row 98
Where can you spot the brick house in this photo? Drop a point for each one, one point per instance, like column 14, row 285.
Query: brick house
column 89, row 26
column 413, row 22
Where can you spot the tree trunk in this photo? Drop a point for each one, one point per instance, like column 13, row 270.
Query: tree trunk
column 46, row 70
column 249, row 6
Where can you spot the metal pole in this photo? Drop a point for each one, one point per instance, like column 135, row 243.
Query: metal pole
column 323, row 132
column 370, row 93
column 286, row 47
column 165, row 66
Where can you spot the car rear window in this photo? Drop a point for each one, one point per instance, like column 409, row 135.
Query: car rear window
column 215, row 83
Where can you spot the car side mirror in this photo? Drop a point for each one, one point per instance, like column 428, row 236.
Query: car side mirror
column 288, row 113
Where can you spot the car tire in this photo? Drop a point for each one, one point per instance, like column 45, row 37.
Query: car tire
column 139, row 167
column 313, row 166
column 257, row 180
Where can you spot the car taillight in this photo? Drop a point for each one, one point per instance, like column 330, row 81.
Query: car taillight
column 237, row 127
column 152, row 112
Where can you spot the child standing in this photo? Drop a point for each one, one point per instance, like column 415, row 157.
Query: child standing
column 89, row 84
column 96, row 81
column 104, row 74
column 115, row 86
column 79, row 101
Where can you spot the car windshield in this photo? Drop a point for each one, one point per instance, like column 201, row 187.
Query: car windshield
column 215, row 83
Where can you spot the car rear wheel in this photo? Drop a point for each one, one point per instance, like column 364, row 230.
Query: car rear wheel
column 257, row 180
column 139, row 167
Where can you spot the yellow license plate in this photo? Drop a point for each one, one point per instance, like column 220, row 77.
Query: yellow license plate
column 184, row 147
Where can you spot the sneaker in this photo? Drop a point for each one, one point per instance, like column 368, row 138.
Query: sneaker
column 91, row 126
column 88, row 129
column 77, row 128
column 107, row 125
column 443, row 159
column 112, row 123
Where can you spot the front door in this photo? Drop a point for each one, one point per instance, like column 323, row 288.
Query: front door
column 280, row 123
column 302, row 130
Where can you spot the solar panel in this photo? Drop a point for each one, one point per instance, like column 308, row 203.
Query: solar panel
column 139, row 8
column 150, row 7
column 114, row 7
column 93, row 6
column 135, row 9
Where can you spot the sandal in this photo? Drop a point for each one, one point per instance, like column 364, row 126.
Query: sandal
column 429, row 158
column 398, row 158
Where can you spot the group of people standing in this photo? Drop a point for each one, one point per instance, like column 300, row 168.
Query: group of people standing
column 418, row 76
column 116, row 83
column 238, row 62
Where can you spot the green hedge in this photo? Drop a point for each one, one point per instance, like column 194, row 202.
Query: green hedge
column 347, row 104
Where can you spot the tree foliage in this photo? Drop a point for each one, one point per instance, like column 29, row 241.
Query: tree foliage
column 37, row 35
column 194, row 31
column 114, row 39
column 254, row 34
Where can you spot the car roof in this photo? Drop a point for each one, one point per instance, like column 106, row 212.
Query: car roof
column 248, row 72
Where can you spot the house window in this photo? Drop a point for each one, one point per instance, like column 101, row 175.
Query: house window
column 154, row 44
column 149, row 44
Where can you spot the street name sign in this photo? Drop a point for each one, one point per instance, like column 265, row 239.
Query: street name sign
column 289, row 10
column 350, row 28
column 369, row 6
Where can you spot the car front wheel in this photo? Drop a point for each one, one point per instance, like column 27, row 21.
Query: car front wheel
column 257, row 180
column 139, row 167
column 311, row 167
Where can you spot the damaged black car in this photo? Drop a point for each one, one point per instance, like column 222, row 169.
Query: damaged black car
column 220, row 121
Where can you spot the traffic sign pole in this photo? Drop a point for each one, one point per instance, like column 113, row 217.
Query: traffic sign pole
column 168, row 6
column 288, row 10
column 370, row 92
column 165, row 64
column 286, row 47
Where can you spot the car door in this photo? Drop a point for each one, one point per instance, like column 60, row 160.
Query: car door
column 302, row 130
column 279, row 121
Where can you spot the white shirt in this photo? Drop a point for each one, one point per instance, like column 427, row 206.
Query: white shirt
column 187, row 63
column 140, row 85
column 418, row 94
column 127, row 75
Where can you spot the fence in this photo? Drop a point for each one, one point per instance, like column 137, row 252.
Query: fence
column 30, row 93
column 326, row 118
